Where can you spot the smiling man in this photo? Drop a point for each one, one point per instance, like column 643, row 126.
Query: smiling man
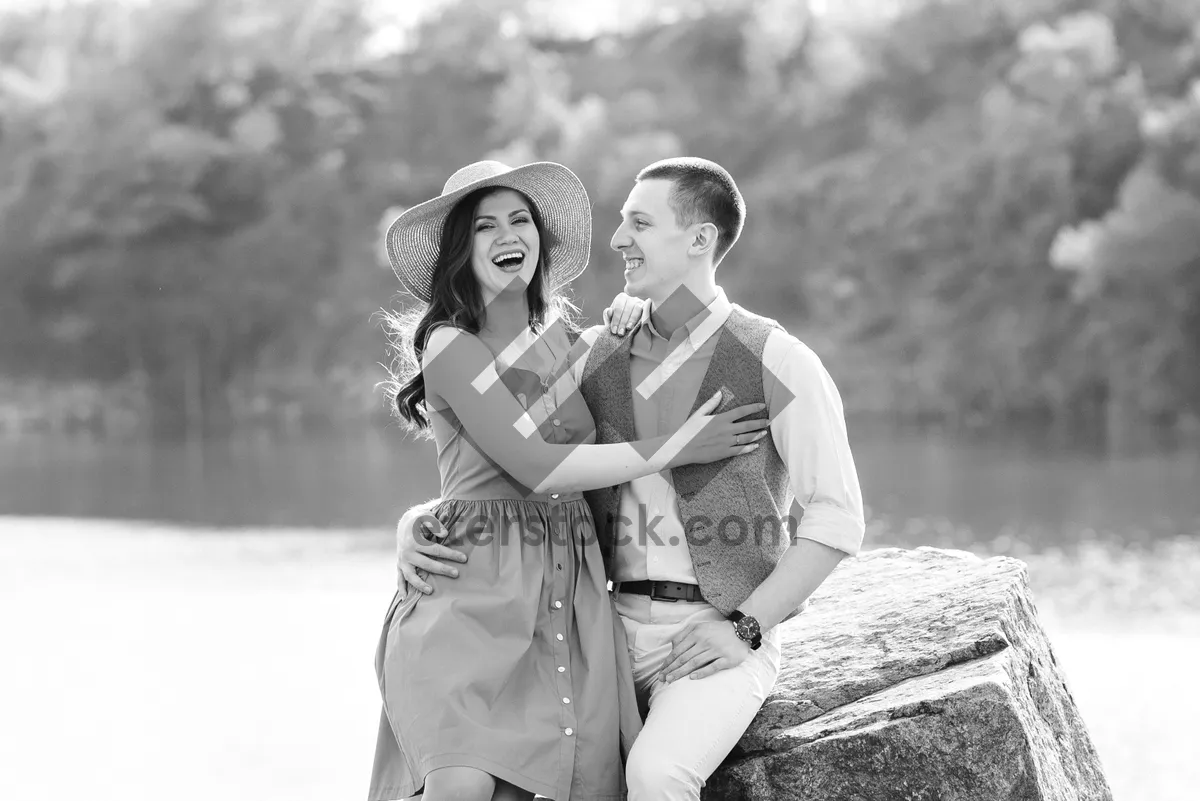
column 702, row 594
column 704, row 561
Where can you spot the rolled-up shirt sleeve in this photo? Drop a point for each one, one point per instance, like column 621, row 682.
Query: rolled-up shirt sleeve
column 809, row 430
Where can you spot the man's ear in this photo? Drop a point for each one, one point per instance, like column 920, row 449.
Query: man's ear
column 704, row 239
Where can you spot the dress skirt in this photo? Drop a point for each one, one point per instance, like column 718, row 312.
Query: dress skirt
column 517, row 667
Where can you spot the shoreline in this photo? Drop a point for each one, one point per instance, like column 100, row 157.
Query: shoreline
column 1093, row 584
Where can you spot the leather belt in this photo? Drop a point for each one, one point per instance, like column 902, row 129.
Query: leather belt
column 661, row 590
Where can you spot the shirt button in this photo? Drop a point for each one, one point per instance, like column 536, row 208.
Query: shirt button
column 557, row 422
column 558, row 604
column 566, row 700
column 568, row 732
column 562, row 669
column 560, row 636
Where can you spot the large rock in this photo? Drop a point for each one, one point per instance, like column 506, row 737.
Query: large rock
column 917, row 676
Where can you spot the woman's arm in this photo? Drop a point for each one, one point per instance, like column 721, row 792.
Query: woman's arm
column 459, row 370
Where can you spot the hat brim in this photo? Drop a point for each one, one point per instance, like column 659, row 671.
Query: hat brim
column 414, row 238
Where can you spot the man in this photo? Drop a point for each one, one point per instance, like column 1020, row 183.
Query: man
column 699, row 556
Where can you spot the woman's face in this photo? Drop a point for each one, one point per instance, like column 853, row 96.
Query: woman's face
column 507, row 244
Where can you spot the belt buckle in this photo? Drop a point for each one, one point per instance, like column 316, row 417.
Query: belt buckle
column 654, row 596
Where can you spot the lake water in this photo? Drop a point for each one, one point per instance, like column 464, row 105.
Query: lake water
column 147, row 661
column 919, row 487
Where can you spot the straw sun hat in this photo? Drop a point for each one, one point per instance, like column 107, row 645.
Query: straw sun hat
column 414, row 237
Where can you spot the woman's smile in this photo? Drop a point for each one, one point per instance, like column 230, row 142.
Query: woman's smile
column 510, row 261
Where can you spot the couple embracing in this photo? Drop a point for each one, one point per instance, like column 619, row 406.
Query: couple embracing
column 623, row 649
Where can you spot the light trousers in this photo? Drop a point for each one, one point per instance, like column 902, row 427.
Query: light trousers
column 691, row 725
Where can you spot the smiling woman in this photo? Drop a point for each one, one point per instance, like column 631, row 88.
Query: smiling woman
column 468, row 678
column 507, row 247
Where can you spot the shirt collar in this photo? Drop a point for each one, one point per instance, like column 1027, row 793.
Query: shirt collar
column 700, row 327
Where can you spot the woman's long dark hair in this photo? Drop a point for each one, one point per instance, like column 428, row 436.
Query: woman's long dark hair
column 457, row 299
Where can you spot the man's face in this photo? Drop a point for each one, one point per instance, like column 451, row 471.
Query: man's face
column 653, row 245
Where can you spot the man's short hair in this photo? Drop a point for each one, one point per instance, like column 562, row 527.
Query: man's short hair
column 703, row 191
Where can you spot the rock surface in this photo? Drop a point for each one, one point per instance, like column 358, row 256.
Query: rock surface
column 917, row 675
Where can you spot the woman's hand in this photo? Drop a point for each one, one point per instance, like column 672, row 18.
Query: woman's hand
column 623, row 313
column 712, row 437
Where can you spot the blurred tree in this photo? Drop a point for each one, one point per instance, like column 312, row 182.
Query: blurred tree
column 191, row 193
column 926, row 238
column 187, row 206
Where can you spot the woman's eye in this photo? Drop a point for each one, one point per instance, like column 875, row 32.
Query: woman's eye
column 484, row 227
column 639, row 224
column 520, row 221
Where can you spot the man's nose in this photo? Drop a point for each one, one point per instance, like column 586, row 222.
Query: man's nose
column 620, row 240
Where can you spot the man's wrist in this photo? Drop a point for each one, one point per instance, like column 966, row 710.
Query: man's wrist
column 747, row 628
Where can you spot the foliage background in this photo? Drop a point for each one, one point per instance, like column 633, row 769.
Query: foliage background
column 978, row 214
column 981, row 216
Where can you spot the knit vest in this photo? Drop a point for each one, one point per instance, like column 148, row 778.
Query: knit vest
column 733, row 511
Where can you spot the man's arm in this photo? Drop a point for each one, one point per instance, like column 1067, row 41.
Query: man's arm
column 809, row 431
column 418, row 548
column 810, row 435
column 418, row 530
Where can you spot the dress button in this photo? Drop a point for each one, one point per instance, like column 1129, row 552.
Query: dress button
column 554, row 495
column 560, row 636
column 558, row 604
column 568, row 732
column 562, row 669
column 557, row 422
column 566, row 700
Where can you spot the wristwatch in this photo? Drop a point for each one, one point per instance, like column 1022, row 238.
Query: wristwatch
column 746, row 628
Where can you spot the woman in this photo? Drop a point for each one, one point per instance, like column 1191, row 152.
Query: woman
column 507, row 683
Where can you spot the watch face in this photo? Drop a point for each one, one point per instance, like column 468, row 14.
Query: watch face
column 747, row 628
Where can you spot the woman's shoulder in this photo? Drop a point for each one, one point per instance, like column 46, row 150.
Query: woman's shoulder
column 458, row 345
column 442, row 334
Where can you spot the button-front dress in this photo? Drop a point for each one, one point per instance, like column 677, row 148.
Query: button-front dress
column 516, row 667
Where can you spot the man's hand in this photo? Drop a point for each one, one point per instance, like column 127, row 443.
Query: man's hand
column 418, row 549
column 702, row 649
column 623, row 313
